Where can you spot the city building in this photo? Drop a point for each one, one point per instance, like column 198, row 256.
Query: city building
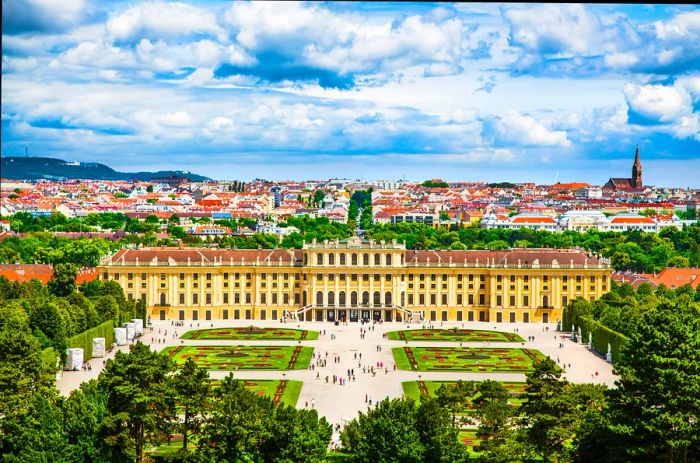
column 357, row 279
column 633, row 183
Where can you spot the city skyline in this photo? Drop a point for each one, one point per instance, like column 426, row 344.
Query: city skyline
column 523, row 93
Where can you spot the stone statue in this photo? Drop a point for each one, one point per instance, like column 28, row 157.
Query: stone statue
column 608, row 356
column 590, row 340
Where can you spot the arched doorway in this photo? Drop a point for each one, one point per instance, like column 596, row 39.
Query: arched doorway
column 365, row 298
column 353, row 298
column 162, row 298
column 319, row 298
column 341, row 298
column 387, row 298
column 377, row 299
column 331, row 298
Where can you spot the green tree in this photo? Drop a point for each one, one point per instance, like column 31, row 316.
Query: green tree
column 34, row 433
column 655, row 408
column 191, row 385
column 386, row 433
column 549, row 415
column 437, row 434
column 140, row 401
column 83, row 412
column 297, row 436
column 21, row 370
column 62, row 282
column 456, row 400
column 239, row 424
column 496, row 427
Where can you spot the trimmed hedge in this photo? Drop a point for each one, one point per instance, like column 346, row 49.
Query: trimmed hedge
column 84, row 339
column 48, row 359
column 602, row 335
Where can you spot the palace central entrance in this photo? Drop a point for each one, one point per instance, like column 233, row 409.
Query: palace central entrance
column 350, row 314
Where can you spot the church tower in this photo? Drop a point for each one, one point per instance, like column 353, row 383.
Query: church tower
column 637, row 171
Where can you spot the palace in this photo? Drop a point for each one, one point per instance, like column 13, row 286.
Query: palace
column 357, row 279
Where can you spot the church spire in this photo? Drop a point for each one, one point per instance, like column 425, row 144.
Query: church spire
column 637, row 170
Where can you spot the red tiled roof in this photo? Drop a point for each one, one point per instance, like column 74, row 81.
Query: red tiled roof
column 676, row 277
column 42, row 272
column 533, row 220
column 26, row 272
column 645, row 220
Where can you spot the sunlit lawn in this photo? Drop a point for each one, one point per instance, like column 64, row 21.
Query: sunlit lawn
column 252, row 333
column 507, row 360
column 231, row 358
column 455, row 335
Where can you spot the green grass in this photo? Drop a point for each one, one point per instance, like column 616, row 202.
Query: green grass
column 230, row 358
column 252, row 333
column 268, row 387
column 486, row 360
column 412, row 390
column 454, row 335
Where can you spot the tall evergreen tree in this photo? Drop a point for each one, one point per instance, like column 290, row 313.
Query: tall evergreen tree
column 140, row 401
column 655, row 409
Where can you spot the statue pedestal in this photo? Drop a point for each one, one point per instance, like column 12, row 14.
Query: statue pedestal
column 608, row 357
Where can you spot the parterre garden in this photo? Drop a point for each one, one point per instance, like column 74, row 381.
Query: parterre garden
column 231, row 358
column 486, row 360
column 252, row 333
column 454, row 334
column 279, row 390
column 418, row 390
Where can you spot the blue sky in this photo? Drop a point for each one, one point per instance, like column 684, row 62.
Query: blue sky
column 374, row 90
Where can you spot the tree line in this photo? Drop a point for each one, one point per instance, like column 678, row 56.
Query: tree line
column 51, row 314
column 634, row 251
column 141, row 400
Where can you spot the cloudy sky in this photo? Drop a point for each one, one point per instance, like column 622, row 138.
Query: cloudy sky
column 373, row 90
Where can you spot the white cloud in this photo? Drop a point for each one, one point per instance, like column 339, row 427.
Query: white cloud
column 315, row 36
column 657, row 102
column 176, row 119
column 523, row 130
column 554, row 29
column 40, row 15
column 679, row 28
column 166, row 20
column 96, row 54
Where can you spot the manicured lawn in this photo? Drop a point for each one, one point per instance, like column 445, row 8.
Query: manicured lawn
column 454, row 334
column 231, row 358
column 252, row 334
column 417, row 390
column 514, row 360
column 280, row 391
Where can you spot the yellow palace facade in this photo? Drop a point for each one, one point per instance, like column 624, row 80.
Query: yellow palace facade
column 357, row 279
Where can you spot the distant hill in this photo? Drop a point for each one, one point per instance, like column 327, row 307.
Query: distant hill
column 34, row 168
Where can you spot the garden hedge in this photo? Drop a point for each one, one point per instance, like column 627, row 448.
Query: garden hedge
column 84, row 339
column 602, row 335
